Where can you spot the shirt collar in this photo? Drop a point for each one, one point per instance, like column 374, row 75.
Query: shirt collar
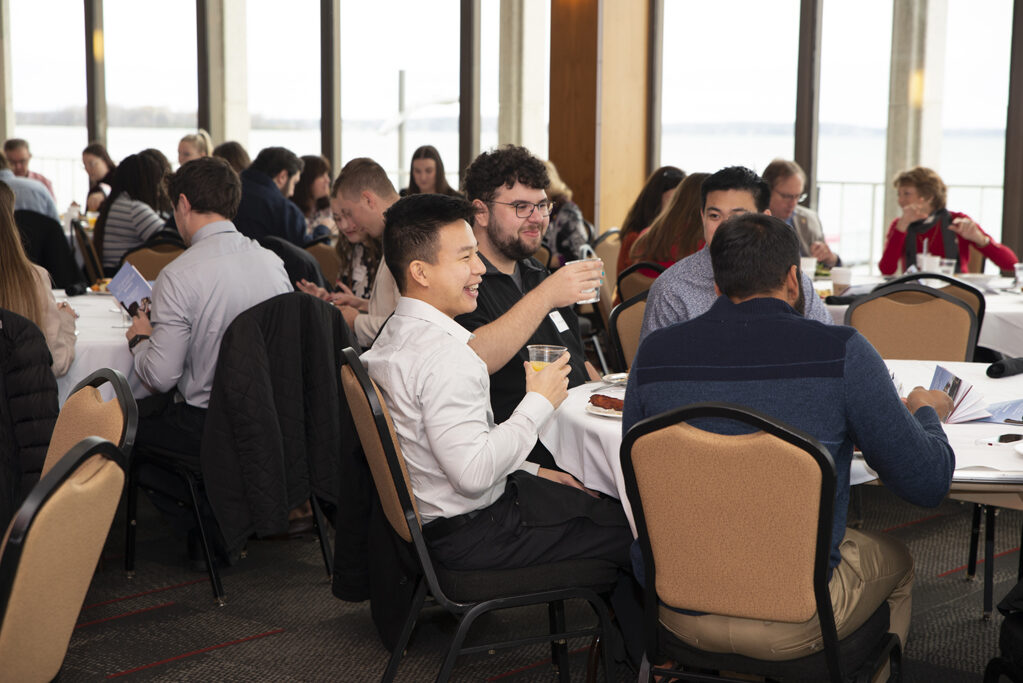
column 211, row 229
column 419, row 309
column 758, row 307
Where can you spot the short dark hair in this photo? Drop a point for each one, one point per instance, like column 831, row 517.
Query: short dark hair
column 12, row 144
column 210, row 184
column 752, row 253
column 234, row 154
column 737, row 178
column 503, row 166
column 411, row 227
column 359, row 174
column 273, row 160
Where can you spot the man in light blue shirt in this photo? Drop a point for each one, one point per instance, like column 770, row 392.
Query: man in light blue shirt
column 686, row 290
column 29, row 195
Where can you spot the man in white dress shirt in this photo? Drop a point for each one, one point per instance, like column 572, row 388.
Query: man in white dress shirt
column 483, row 506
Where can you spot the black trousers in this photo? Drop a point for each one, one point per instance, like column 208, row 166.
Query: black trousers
column 537, row 521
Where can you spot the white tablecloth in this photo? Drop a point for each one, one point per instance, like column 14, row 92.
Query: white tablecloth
column 100, row 342
column 587, row 445
column 1002, row 329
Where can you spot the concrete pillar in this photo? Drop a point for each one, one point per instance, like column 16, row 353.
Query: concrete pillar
column 95, row 73
column 6, row 85
column 522, row 117
column 223, row 70
column 915, row 91
column 330, row 82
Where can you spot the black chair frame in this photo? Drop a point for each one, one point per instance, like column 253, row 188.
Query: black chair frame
column 604, row 235
column 42, row 492
column 612, row 323
column 888, row 647
column 914, row 278
column 91, row 261
column 467, row 613
column 639, row 265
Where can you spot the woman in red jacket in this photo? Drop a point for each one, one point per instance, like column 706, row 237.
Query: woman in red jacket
column 926, row 223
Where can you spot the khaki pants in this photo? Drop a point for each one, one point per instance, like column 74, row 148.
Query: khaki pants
column 874, row 568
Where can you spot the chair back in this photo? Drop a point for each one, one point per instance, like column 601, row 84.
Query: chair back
column 732, row 524
column 915, row 323
column 85, row 414
column 973, row 297
column 625, row 325
column 91, row 262
column 976, row 262
column 46, row 245
column 50, row 555
column 151, row 258
column 328, row 259
column 543, row 255
column 634, row 280
column 606, row 248
column 380, row 444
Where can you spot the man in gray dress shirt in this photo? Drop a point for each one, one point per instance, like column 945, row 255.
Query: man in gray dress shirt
column 195, row 298
column 686, row 290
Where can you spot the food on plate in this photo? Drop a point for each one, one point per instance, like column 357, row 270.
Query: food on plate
column 100, row 285
column 607, row 402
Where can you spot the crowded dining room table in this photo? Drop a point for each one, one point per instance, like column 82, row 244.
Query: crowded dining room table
column 100, row 341
column 586, row 440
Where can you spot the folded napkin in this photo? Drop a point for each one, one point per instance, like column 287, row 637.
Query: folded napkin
column 1007, row 367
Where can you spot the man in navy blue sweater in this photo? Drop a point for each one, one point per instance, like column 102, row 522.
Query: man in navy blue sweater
column 266, row 186
column 754, row 349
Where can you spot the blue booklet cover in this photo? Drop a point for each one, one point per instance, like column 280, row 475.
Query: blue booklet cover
column 131, row 289
column 1006, row 412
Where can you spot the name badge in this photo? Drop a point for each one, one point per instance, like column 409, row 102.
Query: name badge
column 558, row 321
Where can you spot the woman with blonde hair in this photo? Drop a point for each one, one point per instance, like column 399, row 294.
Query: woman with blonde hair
column 25, row 290
column 568, row 231
column 194, row 146
column 678, row 231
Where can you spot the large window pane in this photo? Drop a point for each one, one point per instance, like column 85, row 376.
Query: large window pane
column 48, row 88
column 490, row 74
column 422, row 42
column 283, row 45
column 152, row 96
column 729, row 84
column 974, row 105
column 855, row 48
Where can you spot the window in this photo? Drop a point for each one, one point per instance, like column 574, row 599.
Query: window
column 284, row 75
column 729, row 85
column 152, row 95
column 48, row 90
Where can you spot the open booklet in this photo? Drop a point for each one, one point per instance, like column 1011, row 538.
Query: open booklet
column 131, row 289
column 967, row 403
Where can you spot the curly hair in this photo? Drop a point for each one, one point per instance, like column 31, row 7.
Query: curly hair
column 927, row 182
column 505, row 166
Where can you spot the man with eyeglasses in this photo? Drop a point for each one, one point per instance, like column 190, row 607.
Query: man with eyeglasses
column 686, row 290
column 18, row 156
column 787, row 181
column 520, row 302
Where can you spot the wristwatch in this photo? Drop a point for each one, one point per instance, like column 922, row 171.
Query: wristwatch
column 134, row 341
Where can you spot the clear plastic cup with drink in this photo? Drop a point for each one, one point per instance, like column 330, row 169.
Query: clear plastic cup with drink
column 542, row 355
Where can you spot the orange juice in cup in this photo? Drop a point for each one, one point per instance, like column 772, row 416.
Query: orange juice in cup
column 542, row 355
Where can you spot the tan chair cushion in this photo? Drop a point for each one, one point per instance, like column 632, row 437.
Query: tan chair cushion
column 56, row 567
column 629, row 324
column 732, row 521
column 362, row 414
column 328, row 259
column 151, row 260
column 607, row 251
column 85, row 413
column 634, row 283
column 931, row 329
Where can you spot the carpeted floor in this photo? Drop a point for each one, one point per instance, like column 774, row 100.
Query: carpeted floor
column 282, row 623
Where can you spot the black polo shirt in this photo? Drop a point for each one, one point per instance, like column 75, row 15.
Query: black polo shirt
column 497, row 294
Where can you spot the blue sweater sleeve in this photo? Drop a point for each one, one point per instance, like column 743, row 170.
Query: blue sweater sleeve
column 909, row 452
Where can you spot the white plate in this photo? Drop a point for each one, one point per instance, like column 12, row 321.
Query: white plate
column 603, row 412
column 616, row 378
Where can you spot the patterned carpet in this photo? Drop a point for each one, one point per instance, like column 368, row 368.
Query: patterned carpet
column 282, row 623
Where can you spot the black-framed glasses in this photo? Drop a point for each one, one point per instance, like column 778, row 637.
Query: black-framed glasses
column 797, row 198
column 525, row 209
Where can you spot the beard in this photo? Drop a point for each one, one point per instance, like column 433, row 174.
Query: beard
column 510, row 246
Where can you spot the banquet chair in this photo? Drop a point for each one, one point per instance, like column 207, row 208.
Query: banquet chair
column 625, row 327
column 606, row 248
column 937, row 327
column 50, row 554
column 326, row 256
column 543, row 255
column 151, row 257
column 47, row 246
column 466, row 595
column 90, row 261
column 634, row 280
column 740, row 525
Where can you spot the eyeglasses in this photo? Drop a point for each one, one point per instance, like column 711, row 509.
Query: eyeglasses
column 792, row 197
column 525, row 209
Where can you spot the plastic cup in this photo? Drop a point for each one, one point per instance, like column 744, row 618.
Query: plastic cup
column 808, row 264
column 542, row 355
column 928, row 263
column 595, row 297
column 947, row 266
column 841, row 279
